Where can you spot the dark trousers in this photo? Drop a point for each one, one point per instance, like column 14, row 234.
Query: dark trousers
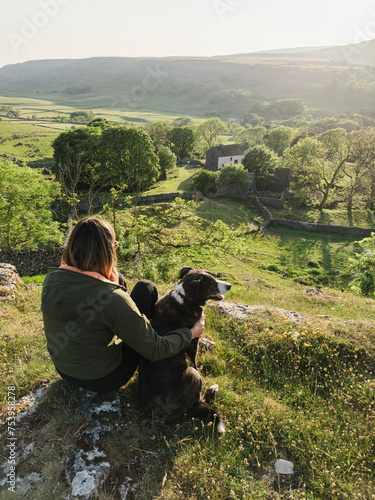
column 145, row 295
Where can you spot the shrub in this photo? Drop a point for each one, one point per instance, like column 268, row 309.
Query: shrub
column 364, row 269
column 204, row 179
column 262, row 162
column 363, row 266
column 231, row 174
column 26, row 220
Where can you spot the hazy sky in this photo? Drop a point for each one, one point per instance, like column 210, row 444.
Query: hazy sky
column 54, row 29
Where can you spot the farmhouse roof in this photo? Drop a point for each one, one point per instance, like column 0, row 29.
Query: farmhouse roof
column 230, row 149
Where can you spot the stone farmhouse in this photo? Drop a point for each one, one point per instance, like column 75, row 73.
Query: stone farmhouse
column 231, row 154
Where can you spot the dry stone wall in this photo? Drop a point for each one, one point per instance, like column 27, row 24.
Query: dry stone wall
column 273, row 202
column 360, row 232
column 32, row 262
column 235, row 191
column 83, row 206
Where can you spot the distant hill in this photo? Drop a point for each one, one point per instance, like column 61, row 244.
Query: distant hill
column 223, row 85
column 354, row 53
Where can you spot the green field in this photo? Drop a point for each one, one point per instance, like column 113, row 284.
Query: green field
column 44, row 111
column 26, row 142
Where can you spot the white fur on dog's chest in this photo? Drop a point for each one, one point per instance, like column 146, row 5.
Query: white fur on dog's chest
column 178, row 293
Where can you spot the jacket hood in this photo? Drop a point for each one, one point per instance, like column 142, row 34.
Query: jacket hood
column 69, row 294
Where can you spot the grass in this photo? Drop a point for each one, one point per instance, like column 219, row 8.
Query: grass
column 178, row 180
column 301, row 391
column 24, row 359
column 27, row 142
column 359, row 217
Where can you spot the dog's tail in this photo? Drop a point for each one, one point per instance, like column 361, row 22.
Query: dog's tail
column 204, row 410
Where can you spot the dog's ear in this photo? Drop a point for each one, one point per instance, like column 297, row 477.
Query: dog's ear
column 184, row 272
column 192, row 287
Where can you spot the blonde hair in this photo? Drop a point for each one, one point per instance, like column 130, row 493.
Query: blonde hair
column 91, row 247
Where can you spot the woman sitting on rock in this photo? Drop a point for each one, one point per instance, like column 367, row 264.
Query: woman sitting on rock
column 95, row 330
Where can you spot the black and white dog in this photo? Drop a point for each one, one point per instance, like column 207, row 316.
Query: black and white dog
column 171, row 387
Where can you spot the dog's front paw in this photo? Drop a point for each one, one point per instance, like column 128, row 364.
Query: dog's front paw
column 220, row 427
column 211, row 393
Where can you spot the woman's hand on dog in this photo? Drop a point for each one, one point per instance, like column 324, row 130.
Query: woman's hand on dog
column 198, row 328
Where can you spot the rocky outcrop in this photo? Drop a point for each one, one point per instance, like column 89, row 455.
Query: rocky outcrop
column 10, row 282
column 86, row 468
column 242, row 311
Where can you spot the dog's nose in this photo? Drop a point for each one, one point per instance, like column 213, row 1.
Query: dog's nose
column 224, row 287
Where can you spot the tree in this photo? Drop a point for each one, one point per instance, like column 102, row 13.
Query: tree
column 182, row 140
column 167, row 161
column 279, row 138
column 280, row 109
column 113, row 205
column 336, row 153
column 9, row 112
column 77, row 149
column 251, row 135
column 318, row 163
column 361, row 169
column 76, row 153
column 302, row 159
column 25, row 218
column 128, row 158
column 150, row 233
column 102, row 123
column 357, row 168
column 262, row 162
column 183, row 121
column 81, row 116
column 159, row 133
column 208, row 132
column 252, row 119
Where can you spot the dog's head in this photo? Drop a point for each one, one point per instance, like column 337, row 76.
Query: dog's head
column 197, row 286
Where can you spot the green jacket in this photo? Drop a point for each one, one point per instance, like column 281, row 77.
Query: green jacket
column 86, row 320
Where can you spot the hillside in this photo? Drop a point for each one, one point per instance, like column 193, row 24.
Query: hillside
column 295, row 371
column 227, row 85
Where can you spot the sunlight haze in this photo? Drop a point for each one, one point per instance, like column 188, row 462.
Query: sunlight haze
column 55, row 29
